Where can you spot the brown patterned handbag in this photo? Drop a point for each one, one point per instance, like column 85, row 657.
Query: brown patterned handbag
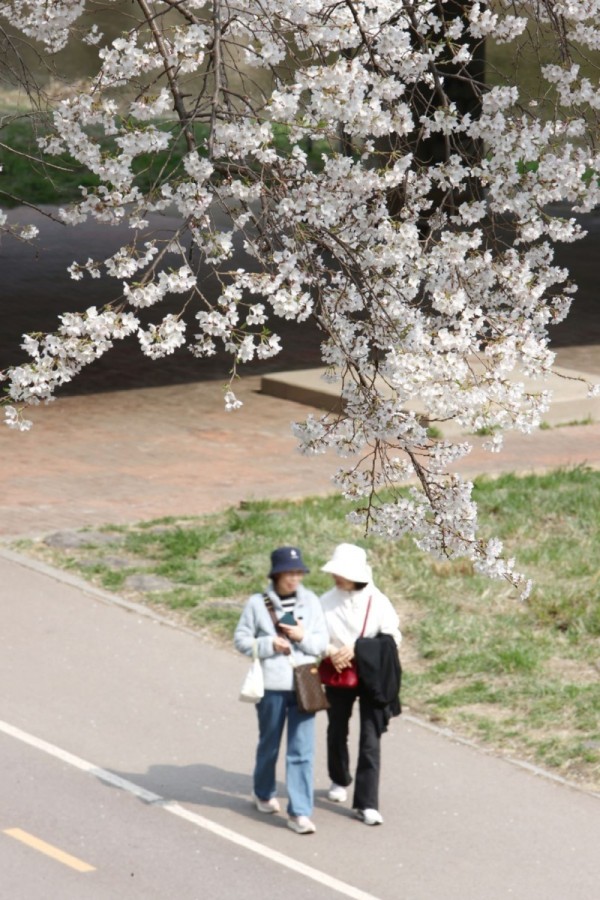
column 310, row 694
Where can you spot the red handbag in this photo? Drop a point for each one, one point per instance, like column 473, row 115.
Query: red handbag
column 346, row 678
column 330, row 677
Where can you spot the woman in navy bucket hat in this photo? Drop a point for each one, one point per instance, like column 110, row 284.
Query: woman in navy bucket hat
column 279, row 648
column 287, row 559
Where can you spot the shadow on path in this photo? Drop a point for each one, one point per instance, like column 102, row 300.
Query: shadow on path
column 214, row 788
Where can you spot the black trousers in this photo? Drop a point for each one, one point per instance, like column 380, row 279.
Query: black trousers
column 366, row 785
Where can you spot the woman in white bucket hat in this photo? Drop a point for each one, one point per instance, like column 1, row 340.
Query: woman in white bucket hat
column 355, row 609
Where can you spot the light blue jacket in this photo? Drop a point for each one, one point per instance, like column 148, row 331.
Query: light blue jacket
column 256, row 625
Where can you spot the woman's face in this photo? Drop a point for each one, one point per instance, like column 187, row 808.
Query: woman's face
column 343, row 583
column 287, row 582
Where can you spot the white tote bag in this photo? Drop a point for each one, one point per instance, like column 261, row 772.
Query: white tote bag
column 253, row 686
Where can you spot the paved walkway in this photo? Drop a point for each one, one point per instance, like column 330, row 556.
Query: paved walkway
column 126, row 456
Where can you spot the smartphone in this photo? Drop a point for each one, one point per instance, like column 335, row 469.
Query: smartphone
column 287, row 619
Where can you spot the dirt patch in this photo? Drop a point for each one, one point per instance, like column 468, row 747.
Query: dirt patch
column 573, row 671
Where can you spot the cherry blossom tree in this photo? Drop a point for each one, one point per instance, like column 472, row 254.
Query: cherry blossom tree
column 421, row 241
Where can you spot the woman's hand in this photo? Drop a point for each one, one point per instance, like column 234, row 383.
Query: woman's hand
column 281, row 645
column 342, row 658
column 294, row 633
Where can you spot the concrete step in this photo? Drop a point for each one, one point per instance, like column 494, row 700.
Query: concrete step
column 570, row 401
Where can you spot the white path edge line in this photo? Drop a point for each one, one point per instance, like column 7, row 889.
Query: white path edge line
column 176, row 809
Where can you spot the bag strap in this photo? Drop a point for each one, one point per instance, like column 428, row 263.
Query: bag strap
column 278, row 630
column 271, row 610
column 366, row 616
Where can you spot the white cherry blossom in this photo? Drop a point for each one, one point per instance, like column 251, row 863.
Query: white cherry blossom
column 421, row 243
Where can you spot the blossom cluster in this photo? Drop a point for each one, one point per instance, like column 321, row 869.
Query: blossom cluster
column 412, row 212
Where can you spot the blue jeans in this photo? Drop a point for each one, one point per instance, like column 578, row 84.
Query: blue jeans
column 273, row 710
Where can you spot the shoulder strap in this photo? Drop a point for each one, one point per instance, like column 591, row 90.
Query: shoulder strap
column 278, row 629
column 269, row 605
column 366, row 617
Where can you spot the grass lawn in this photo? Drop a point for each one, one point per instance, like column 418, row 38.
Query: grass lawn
column 523, row 679
column 59, row 178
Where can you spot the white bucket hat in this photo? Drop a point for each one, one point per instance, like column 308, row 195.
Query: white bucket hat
column 349, row 561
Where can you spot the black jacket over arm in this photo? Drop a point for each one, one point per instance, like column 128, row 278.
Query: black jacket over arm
column 380, row 675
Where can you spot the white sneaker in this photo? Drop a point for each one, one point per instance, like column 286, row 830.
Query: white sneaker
column 337, row 793
column 301, row 825
column 369, row 816
column 266, row 806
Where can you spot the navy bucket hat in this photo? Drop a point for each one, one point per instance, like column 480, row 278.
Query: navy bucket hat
column 286, row 559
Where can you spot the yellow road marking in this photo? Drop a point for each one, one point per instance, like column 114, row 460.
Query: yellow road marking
column 49, row 850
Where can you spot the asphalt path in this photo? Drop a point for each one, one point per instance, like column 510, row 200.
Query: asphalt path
column 124, row 746
column 116, row 844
